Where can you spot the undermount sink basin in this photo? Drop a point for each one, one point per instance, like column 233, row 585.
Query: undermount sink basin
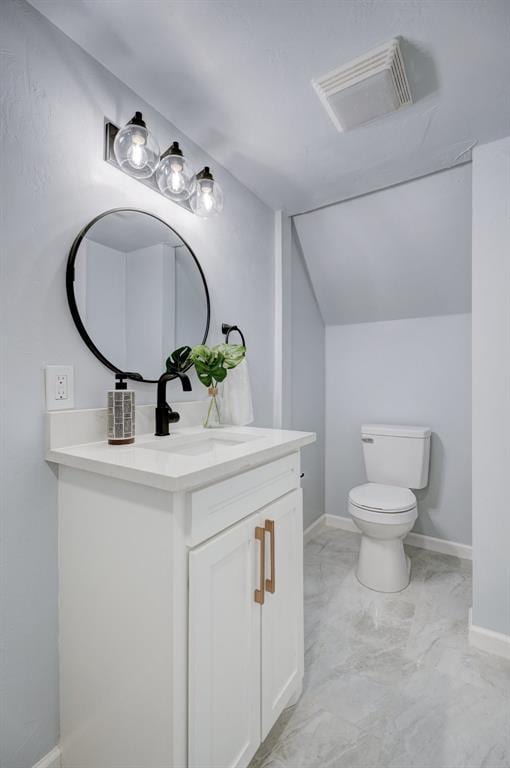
column 195, row 445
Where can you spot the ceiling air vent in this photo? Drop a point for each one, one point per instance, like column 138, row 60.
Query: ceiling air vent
column 367, row 87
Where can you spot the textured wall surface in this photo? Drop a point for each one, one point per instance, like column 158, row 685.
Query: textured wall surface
column 403, row 372
column 54, row 98
column 491, row 386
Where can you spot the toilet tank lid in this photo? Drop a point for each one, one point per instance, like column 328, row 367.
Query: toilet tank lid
column 392, row 430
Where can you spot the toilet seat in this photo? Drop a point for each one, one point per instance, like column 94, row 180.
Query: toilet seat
column 383, row 518
column 382, row 498
column 383, row 504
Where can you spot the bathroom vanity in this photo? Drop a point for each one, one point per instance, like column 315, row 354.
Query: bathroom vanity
column 181, row 592
column 180, row 556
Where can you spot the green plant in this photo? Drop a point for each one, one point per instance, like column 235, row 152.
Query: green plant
column 179, row 360
column 213, row 363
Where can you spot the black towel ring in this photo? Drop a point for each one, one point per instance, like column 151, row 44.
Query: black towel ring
column 227, row 329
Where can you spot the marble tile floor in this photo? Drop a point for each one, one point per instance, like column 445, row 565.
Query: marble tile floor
column 390, row 680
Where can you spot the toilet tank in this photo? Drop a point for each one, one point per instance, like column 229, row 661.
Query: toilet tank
column 396, row 455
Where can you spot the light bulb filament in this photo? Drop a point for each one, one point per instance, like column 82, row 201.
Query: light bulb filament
column 137, row 155
column 207, row 196
column 177, row 182
column 207, row 199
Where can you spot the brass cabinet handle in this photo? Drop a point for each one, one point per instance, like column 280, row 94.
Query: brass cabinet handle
column 270, row 583
column 260, row 536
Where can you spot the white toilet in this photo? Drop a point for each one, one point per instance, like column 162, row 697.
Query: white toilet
column 384, row 509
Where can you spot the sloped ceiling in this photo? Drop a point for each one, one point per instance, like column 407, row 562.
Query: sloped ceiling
column 399, row 253
column 130, row 230
column 234, row 75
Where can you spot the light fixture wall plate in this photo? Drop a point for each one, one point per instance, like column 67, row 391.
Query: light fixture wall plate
column 111, row 131
column 365, row 88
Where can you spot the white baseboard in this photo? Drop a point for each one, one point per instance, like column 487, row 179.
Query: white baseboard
column 464, row 551
column 430, row 543
column 314, row 528
column 487, row 640
column 51, row 760
column 344, row 523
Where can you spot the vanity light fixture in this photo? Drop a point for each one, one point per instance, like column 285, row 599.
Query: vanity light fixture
column 206, row 197
column 174, row 175
column 136, row 149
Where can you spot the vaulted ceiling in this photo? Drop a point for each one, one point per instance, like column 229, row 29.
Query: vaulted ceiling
column 399, row 253
column 234, row 75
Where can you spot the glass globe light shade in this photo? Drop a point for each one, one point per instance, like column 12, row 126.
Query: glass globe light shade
column 206, row 198
column 136, row 150
column 174, row 175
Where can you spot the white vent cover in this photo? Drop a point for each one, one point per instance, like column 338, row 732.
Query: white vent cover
column 367, row 87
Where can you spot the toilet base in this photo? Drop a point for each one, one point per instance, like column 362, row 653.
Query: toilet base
column 383, row 565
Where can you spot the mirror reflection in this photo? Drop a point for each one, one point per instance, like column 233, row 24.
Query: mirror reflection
column 139, row 291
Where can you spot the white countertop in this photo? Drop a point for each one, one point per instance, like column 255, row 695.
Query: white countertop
column 177, row 472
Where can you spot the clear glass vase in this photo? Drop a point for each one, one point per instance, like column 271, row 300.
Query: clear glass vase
column 212, row 418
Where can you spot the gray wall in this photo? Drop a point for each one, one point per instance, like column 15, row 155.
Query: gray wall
column 392, row 274
column 54, row 180
column 304, row 347
column 101, row 282
column 401, row 252
column 403, row 372
column 491, row 390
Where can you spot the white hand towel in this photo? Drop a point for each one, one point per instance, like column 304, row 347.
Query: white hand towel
column 236, row 404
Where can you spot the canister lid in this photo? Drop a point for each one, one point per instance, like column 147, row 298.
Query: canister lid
column 391, row 430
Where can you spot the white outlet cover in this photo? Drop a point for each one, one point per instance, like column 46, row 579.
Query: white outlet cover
column 59, row 384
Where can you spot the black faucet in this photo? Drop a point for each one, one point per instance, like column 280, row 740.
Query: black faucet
column 164, row 414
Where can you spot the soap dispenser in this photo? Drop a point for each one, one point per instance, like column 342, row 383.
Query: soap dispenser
column 121, row 412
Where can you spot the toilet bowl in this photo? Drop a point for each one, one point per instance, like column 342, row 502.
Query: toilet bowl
column 384, row 515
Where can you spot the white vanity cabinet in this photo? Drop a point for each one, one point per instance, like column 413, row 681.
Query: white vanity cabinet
column 245, row 633
column 181, row 607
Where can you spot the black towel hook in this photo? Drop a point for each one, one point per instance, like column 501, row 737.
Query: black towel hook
column 227, row 329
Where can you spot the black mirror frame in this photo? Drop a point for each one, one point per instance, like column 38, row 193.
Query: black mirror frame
column 70, row 277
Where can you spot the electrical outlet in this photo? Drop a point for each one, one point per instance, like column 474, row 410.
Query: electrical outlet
column 59, row 387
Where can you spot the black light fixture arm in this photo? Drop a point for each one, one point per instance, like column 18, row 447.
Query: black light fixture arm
column 173, row 149
column 137, row 119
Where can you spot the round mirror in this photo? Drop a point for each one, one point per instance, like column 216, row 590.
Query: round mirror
column 136, row 292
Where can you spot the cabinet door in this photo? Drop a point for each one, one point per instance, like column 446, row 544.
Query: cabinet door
column 282, row 613
column 224, row 649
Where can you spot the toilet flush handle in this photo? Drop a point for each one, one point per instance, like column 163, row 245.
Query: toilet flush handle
column 367, row 439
